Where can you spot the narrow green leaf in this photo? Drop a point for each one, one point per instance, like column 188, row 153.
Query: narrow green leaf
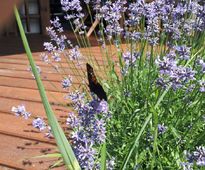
column 50, row 155
column 57, row 163
column 61, row 140
column 103, row 157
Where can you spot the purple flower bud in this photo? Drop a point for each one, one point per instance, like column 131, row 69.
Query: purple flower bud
column 161, row 129
column 39, row 124
column 44, row 58
column 73, row 120
column 110, row 164
column 99, row 133
column 56, row 57
column 55, row 22
column 74, row 53
column 102, row 107
column 49, row 134
column 67, row 82
column 49, row 46
column 183, row 52
column 202, row 86
column 20, row 110
column 201, row 63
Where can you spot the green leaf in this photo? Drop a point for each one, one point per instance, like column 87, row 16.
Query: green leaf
column 50, row 155
column 103, row 157
column 57, row 163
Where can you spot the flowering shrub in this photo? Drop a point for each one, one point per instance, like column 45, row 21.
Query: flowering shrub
column 156, row 99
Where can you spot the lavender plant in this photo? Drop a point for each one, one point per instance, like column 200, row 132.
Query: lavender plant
column 155, row 89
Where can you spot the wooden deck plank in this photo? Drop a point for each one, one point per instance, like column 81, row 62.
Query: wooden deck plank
column 21, row 128
column 23, row 149
column 45, row 76
column 17, row 67
column 30, row 95
column 35, row 108
column 30, row 84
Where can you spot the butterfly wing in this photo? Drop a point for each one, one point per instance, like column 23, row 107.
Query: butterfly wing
column 94, row 86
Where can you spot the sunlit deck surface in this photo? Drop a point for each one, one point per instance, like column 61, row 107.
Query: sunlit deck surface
column 18, row 139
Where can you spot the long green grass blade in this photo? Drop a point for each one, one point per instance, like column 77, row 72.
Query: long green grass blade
column 50, row 155
column 103, row 157
column 61, row 140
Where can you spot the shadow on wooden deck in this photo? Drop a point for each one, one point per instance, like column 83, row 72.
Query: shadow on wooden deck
column 13, row 44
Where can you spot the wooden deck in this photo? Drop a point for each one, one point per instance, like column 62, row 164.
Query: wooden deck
column 19, row 141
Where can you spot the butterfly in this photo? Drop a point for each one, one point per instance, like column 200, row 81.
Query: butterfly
column 94, row 86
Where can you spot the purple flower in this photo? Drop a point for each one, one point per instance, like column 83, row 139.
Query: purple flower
column 202, row 86
column 201, row 63
column 102, row 107
column 86, row 156
column 161, row 82
column 112, row 13
column 197, row 156
column 56, row 24
column 171, row 73
column 77, row 98
column 20, row 110
column 49, row 46
column 183, row 52
column 71, row 5
column 39, row 124
column 89, row 129
column 44, row 58
column 49, row 134
column 79, row 137
column 110, row 164
column 67, row 82
column 60, row 41
column 166, row 65
column 97, row 4
column 161, row 129
column 52, row 34
column 136, row 12
column 73, row 120
column 74, row 53
column 179, row 11
column 99, row 133
column 186, row 165
column 56, row 57
column 130, row 58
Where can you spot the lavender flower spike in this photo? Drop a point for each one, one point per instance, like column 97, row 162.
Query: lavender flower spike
column 183, row 51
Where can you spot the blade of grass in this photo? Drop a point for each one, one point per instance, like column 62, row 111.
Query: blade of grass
column 50, row 155
column 103, row 157
column 57, row 163
column 61, row 140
